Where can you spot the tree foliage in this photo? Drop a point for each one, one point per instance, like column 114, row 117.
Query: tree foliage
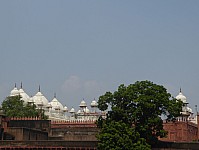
column 120, row 136
column 13, row 106
column 139, row 106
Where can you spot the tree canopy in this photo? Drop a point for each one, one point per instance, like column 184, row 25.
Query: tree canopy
column 139, row 107
column 120, row 136
column 13, row 106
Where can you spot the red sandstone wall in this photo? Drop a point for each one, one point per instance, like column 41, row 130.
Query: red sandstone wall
column 180, row 132
column 79, row 137
column 27, row 134
column 16, row 132
column 75, row 133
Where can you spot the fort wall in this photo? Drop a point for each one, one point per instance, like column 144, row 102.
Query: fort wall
column 80, row 145
column 33, row 123
column 85, row 145
column 27, row 134
column 79, row 132
column 180, row 131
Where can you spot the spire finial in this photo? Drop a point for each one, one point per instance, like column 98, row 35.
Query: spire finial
column 15, row 85
column 39, row 89
column 196, row 109
column 21, row 85
column 54, row 95
column 180, row 90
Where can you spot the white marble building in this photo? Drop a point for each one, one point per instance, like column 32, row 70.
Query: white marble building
column 54, row 108
column 56, row 111
column 187, row 113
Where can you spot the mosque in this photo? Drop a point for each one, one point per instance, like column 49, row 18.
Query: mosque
column 54, row 110
column 185, row 128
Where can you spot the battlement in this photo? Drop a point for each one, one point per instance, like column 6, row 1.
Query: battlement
column 73, row 121
column 25, row 118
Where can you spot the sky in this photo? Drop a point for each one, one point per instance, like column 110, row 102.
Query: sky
column 81, row 49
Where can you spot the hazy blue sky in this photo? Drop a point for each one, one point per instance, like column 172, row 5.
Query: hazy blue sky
column 81, row 49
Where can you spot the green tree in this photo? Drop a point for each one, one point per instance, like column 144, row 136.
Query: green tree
column 120, row 136
column 13, row 106
column 141, row 106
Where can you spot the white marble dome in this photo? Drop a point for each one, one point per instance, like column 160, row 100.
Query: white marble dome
column 56, row 105
column 94, row 103
column 39, row 99
column 14, row 92
column 72, row 110
column 65, row 109
column 181, row 97
column 82, row 104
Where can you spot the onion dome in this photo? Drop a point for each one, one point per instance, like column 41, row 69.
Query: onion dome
column 94, row 103
column 181, row 97
column 82, row 104
column 40, row 99
column 23, row 95
column 56, row 105
column 15, row 91
column 72, row 110
column 65, row 109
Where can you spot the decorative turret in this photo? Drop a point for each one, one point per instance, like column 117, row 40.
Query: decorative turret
column 94, row 105
column 72, row 111
column 83, row 105
column 186, row 111
column 181, row 97
column 65, row 109
column 39, row 98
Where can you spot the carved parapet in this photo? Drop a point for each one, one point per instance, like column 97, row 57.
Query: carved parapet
column 24, row 118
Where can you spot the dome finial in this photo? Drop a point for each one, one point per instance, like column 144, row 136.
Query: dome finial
column 39, row 89
column 54, row 95
column 180, row 90
column 15, row 85
column 21, row 85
